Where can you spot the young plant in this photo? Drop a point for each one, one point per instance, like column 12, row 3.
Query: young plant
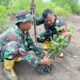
column 57, row 43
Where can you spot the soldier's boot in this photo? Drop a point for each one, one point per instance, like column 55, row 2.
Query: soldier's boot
column 61, row 55
column 46, row 44
column 18, row 58
column 8, row 69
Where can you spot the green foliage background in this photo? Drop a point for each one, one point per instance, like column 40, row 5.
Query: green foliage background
column 59, row 7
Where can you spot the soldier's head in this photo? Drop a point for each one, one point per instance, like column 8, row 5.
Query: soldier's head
column 49, row 17
column 24, row 20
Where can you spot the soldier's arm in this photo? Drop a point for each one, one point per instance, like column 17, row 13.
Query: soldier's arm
column 34, row 60
column 33, row 46
column 61, row 23
column 63, row 28
column 39, row 20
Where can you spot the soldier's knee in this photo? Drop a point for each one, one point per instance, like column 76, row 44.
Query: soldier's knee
column 10, row 50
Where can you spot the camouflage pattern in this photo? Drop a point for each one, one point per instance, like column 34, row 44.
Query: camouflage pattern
column 49, row 31
column 13, row 41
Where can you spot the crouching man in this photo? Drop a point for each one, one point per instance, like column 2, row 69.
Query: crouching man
column 15, row 44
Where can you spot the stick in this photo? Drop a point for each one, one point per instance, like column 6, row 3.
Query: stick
column 32, row 8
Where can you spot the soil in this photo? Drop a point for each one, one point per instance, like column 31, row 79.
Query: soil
column 67, row 68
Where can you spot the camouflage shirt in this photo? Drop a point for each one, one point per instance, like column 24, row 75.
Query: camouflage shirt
column 59, row 22
column 13, row 40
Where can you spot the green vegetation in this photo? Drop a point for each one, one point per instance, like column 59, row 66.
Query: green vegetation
column 59, row 7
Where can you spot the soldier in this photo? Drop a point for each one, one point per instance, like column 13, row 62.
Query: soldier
column 15, row 44
column 51, row 22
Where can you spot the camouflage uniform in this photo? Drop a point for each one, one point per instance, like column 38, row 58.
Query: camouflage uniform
column 49, row 31
column 13, row 41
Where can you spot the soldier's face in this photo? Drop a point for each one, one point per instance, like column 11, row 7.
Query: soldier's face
column 26, row 25
column 50, row 19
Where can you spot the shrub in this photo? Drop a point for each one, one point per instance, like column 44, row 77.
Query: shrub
column 41, row 6
column 77, row 9
column 60, row 11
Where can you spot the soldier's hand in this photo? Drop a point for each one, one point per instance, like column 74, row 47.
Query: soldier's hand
column 46, row 61
column 44, row 52
column 67, row 34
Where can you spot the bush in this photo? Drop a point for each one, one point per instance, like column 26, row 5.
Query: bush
column 67, row 8
column 3, row 17
column 17, row 5
column 41, row 6
column 61, row 12
column 2, row 9
column 3, row 20
column 77, row 9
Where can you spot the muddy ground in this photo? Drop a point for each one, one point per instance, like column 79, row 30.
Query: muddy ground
column 67, row 68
